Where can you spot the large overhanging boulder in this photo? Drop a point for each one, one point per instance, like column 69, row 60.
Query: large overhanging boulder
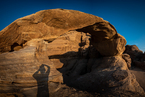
column 50, row 24
column 105, row 38
column 41, row 51
column 46, row 24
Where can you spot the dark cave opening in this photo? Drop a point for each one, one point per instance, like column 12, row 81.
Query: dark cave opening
column 16, row 46
column 13, row 46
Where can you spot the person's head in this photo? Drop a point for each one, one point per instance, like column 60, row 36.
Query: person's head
column 42, row 68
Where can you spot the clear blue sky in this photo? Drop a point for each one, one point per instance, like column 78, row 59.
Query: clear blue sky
column 128, row 16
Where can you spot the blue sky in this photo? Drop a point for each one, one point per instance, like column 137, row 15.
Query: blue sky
column 128, row 16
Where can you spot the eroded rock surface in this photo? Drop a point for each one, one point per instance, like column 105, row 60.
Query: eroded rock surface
column 46, row 24
column 27, row 68
column 127, row 58
column 45, row 51
column 108, row 74
column 137, row 56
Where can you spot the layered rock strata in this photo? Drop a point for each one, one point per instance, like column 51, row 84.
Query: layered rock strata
column 45, row 50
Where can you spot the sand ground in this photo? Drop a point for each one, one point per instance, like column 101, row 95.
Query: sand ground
column 140, row 76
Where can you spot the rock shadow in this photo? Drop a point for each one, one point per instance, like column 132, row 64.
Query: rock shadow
column 76, row 64
column 41, row 76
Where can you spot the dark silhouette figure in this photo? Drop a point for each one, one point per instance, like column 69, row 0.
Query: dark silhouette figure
column 41, row 76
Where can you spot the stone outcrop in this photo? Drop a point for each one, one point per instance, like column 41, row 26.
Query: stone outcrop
column 127, row 58
column 45, row 24
column 133, row 51
column 57, row 22
column 136, row 55
column 104, row 35
column 70, row 42
column 107, row 75
column 50, row 51
column 20, row 69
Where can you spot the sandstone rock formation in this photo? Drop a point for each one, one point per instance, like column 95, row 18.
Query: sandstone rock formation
column 127, row 58
column 107, row 74
column 18, row 68
column 136, row 59
column 133, row 51
column 45, row 51
column 104, row 33
column 46, row 24
column 137, row 56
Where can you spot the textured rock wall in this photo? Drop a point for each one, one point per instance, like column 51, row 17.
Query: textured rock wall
column 46, row 24
column 68, row 47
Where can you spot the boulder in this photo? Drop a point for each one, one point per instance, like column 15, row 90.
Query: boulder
column 27, row 68
column 100, row 31
column 112, row 47
column 134, row 52
column 50, row 24
column 108, row 75
column 127, row 58
column 46, row 53
column 46, row 24
column 139, row 64
column 132, row 48
column 73, row 43
column 137, row 56
column 104, row 35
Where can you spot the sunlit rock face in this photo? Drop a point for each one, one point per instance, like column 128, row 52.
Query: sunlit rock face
column 46, row 53
column 46, row 24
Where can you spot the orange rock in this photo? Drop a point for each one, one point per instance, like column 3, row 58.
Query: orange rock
column 112, row 47
column 87, row 48
column 46, row 24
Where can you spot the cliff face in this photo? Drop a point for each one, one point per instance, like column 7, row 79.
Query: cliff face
column 43, row 52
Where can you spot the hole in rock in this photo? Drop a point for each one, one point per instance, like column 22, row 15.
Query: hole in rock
column 15, row 95
column 16, row 46
column 50, row 40
column 13, row 46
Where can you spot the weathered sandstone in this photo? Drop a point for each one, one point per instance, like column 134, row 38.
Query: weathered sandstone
column 46, row 53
